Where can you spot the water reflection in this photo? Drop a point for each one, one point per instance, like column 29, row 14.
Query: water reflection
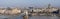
column 44, row 17
column 32, row 17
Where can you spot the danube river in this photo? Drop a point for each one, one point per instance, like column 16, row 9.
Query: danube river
column 32, row 17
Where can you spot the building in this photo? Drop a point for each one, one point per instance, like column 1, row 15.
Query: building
column 16, row 11
column 10, row 11
column 2, row 10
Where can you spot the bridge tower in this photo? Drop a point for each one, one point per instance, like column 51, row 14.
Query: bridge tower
column 26, row 15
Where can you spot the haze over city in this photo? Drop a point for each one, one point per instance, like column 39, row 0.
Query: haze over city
column 28, row 3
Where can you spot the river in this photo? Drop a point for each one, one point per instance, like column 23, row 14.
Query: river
column 32, row 17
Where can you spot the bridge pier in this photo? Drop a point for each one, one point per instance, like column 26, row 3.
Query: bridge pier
column 25, row 17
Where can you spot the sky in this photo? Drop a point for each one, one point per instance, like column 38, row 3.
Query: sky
column 29, row 3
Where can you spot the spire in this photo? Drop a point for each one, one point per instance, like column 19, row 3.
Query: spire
column 49, row 5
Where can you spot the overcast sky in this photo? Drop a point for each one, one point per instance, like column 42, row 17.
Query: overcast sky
column 28, row 3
